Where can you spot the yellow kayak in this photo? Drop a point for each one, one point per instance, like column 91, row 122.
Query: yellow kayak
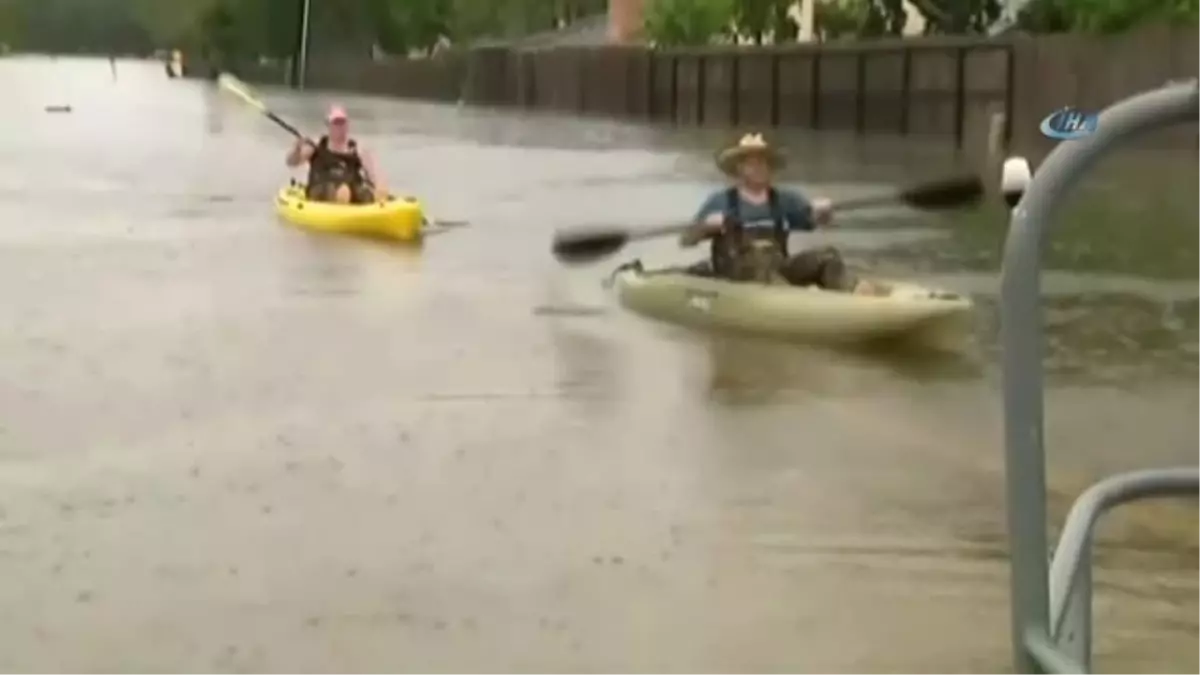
column 401, row 219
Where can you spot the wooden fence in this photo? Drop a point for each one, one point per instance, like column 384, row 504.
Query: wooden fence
column 948, row 88
column 912, row 87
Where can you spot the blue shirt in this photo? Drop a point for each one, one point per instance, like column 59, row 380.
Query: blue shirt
column 795, row 209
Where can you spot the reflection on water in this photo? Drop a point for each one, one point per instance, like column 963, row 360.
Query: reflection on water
column 1107, row 338
column 215, row 107
column 751, row 371
column 1117, row 337
column 588, row 370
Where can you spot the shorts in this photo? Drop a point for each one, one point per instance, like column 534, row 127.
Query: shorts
column 822, row 267
column 327, row 192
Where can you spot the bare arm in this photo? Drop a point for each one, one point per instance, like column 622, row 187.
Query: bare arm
column 300, row 153
column 702, row 230
column 708, row 223
column 822, row 212
column 803, row 214
column 371, row 168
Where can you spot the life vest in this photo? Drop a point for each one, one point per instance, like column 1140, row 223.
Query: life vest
column 743, row 254
column 330, row 166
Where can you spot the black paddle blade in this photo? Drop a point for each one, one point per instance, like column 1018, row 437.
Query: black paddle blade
column 948, row 193
column 585, row 245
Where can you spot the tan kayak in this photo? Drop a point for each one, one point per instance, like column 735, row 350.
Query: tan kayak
column 898, row 310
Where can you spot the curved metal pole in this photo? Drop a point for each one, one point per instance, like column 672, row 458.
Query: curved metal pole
column 1021, row 339
column 1075, row 539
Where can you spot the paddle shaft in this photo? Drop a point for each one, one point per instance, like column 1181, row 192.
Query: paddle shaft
column 867, row 202
column 855, row 204
column 592, row 243
column 236, row 87
column 285, row 126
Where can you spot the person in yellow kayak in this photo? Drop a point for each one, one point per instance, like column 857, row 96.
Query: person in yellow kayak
column 749, row 222
column 338, row 169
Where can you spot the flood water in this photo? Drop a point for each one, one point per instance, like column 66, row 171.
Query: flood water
column 226, row 444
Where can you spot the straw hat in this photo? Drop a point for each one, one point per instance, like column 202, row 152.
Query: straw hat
column 750, row 145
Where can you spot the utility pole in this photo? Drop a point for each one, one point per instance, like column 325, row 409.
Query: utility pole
column 300, row 63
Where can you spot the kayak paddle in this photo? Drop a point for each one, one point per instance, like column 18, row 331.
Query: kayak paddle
column 244, row 93
column 590, row 243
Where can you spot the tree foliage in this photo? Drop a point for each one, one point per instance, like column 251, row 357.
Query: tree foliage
column 478, row 19
column 837, row 19
column 678, row 22
column 758, row 19
column 958, row 17
column 74, row 26
column 1103, row 16
column 688, row 23
column 255, row 28
column 403, row 27
column 682, row 23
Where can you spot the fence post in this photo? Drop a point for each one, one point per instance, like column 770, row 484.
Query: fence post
column 814, row 94
column 674, row 88
column 860, row 86
column 735, row 85
column 651, row 84
column 581, row 72
column 906, row 91
column 774, row 84
column 960, row 96
column 1010, row 61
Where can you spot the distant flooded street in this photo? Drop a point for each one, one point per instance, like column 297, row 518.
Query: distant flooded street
column 230, row 445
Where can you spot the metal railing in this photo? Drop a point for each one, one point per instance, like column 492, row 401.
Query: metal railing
column 1051, row 602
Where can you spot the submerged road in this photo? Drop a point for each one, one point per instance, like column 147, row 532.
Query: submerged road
column 229, row 445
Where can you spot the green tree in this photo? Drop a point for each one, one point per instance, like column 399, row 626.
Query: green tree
column 475, row 19
column 1047, row 16
column 406, row 25
column 757, row 18
column 172, row 23
column 218, row 38
column 858, row 19
column 834, row 20
column 895, row 16
column 75, row 26
column 958, row 17
column 1103, row 16
column 786, row 28
column 753, row 18
column 10, row 18
column 688, row 23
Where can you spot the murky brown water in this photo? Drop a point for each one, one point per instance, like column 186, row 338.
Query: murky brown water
column 226, row 444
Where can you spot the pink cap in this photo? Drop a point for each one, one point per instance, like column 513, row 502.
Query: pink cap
column 336, row 112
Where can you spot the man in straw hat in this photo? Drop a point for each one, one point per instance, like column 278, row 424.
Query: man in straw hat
column 749, row 222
